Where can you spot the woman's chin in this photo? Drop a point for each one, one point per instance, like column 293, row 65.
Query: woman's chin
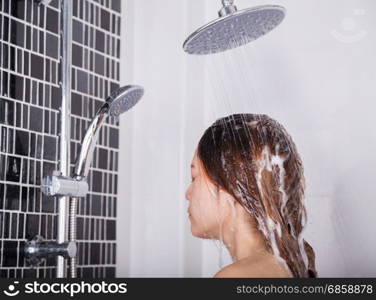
column 195, row 231
column 200, row 233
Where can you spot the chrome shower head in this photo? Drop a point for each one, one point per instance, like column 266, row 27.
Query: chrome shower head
column 124, row 99
column 234, row 28
column 118, row 102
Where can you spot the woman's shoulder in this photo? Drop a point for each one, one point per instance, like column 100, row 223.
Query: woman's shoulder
column 268, row 267
column 231, row 271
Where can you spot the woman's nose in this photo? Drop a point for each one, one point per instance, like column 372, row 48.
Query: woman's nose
column 188, row 193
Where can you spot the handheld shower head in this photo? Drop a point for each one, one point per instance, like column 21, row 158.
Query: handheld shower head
column 120, row 101
column 234, row 28
column 124, row 99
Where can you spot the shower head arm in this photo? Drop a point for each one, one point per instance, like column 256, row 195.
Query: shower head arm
column 227, row 9
column 85, row 156
column 227, row 2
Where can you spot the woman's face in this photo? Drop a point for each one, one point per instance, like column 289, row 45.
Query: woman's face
column 206, row 208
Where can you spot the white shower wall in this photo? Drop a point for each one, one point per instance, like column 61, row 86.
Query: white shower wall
column 315, row 74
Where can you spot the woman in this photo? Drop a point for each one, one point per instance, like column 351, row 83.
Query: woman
column 247, row 190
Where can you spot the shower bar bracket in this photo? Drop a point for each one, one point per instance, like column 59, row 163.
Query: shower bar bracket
column 58, row 185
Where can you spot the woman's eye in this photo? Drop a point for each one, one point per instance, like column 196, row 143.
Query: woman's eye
column 192, row 179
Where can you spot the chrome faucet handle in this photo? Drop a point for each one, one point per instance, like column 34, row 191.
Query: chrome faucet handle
column 37, row 249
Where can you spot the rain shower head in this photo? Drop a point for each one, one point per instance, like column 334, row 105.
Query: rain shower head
column 120, row 101
column 123, row 99
column 234, row 28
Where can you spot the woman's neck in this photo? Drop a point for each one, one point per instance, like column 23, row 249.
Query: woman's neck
column 242, row 238
column 243, row 245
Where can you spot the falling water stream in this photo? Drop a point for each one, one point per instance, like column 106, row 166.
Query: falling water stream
column 232, row 90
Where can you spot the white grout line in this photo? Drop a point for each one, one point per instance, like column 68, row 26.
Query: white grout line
column 31, row 24
column 105, row 7
column 98, row 28
column 53, row 267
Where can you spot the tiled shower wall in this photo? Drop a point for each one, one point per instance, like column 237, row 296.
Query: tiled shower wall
column 30, row 101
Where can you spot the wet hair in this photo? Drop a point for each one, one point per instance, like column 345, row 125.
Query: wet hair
column 253, row 158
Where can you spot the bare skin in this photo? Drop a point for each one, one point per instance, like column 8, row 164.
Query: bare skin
column 263, row 266
column 216, row 214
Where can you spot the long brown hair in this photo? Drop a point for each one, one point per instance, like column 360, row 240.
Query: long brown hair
column 254, row 159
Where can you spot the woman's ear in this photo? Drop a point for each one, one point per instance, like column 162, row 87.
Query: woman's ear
column 225, row 199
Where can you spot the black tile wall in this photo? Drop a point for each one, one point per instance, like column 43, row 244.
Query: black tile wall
column 28, row 74
column 30, row 101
